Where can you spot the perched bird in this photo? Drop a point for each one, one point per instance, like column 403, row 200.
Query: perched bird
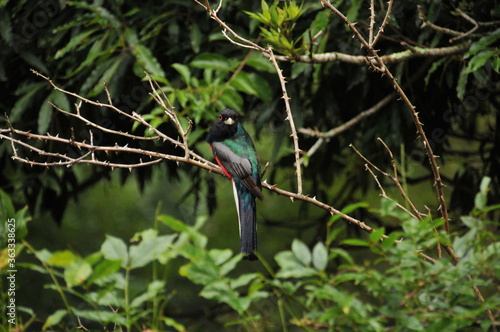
column 235, row 153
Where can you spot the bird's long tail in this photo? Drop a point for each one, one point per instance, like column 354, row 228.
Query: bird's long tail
column 245, row 203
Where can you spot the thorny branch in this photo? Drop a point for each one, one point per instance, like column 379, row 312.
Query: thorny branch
column 414, row 114
column 21, row 140
column 381, row 67
column 289, row 118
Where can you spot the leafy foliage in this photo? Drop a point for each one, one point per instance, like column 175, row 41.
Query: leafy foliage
column 325, row 287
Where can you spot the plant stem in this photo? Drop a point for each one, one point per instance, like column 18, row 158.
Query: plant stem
column 52, row 276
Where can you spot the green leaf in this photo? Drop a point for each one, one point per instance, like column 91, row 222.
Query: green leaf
column 54, row 319
column 479, row 60
column 320, row 256
column 7, row 210
column 485, row 183
column 171, row 322
column 212, row 61
column 302, row 252
column 243, row 280
column 220, row 256
column 77, row 272
column 150, row 248
column 376, row 235
column 356, row 242
column 291, row 267
column 45, row 114
column 243, row 82
column 482, row 43
column 184, row 71
column 231, row 98
column 27, row 94
column 155, row 287
column 101, row 316
column 257, row 61
column 173, row 223
column 62, row 258
column 104, row 269
column 74, row 42
column 114, row 248
column 220, row 291
column 390, row 240
column 195, row 37
column 462, row 83
column 147, row 60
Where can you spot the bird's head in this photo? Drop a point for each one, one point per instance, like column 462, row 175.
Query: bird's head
column 225, row 126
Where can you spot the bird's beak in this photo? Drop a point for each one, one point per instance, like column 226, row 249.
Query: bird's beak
column 229, row 121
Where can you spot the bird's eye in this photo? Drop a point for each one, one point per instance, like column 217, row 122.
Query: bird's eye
column 220, row 117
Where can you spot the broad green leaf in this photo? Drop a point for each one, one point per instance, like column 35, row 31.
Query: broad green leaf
column 320, row 256
column 150, row 248
column 480, row 200
column 301, row 251
column 220, row 291
column 155, row 287
column 184, row 71
column 114, row 248
column 496, row 64
column 262, row 87
column 212, row 61
column 54, row 319
column 7, row 210
column 257, row 61
column 291, row 267
column 62, row 258
column 252, row 84
column 220, row 256
column 25, row 100
column 376, row 235
column 147, row 60
column 390, row 240
column 104, row 269
column 231, row 98
column 230, row 265
column 243, row 280
column 77, row 272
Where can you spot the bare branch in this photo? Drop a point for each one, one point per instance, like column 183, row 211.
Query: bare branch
column 384, row 22
column 289, row 117
column 361, row 60
column 352, row 122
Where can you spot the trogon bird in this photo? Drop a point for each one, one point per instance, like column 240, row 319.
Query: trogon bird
column 235, row 153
